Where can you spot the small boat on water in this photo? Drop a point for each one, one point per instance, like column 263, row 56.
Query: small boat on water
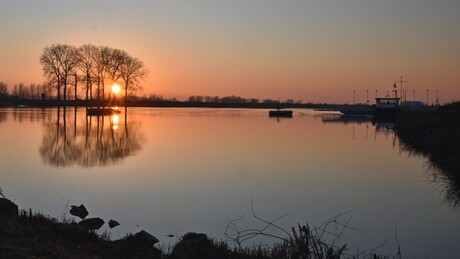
column 280, row 113
column 101, row 111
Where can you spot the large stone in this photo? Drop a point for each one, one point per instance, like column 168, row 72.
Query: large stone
column 144, row 238
column 92, row 223
column 198, row 245
column 195, row 239
column 113, row 223
column 79, row 211
column 8, row 208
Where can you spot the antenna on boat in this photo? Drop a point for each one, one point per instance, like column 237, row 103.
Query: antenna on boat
column 401, row 84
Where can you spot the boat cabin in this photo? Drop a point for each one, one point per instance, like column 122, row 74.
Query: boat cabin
column 387, row 102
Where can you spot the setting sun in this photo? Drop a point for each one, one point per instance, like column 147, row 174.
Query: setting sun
column 116, row 89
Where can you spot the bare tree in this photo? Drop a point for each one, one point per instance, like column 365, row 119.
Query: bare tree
column 67, row 62
column 132, row 72
column 86, row 64
column 58, row 61
column 3, row 89
column 101, row 61
column 51, row 68
column 116, row 61
column 65, row 65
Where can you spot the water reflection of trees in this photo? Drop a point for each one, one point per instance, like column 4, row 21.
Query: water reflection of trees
column 444, row 175
column 3, row 116
column 92, row 141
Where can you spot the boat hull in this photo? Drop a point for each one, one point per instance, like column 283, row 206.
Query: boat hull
column 357, row 110
column 280, row 114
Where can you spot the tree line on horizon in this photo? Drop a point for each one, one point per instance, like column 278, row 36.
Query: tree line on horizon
column 235, row 99
column 35, row 91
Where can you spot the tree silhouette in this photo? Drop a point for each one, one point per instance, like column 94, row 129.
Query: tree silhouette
column 58, row 62
column 132, row 72
column 64, row 65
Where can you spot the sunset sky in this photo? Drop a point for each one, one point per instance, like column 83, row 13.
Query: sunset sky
column 315, row 51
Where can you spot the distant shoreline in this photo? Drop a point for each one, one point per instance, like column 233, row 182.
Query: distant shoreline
column 20, row 102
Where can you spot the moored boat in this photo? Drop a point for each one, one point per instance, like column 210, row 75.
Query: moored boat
column 383, row 106
column 358, row 109
column 387, row 106
column 101, row 111
column 280, row 113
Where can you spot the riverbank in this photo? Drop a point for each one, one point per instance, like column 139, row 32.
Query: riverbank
column 435, row 135
column 21, row 102
column 24, row 234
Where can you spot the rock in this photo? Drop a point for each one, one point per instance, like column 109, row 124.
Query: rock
column 144, row 238
column 79, row 211
column 195, row 239
column 113, row 223
column 92, row 223
column 198, row 245
column 8, row 208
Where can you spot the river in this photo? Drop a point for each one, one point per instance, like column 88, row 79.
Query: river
column 174, row 170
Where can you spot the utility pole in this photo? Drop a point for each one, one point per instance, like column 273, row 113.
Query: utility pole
column 367, row 94
column 354, row 96
column 437, row 99
column 427, row 90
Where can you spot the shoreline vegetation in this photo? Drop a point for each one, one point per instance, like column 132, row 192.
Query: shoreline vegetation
column 435, row 135
column 147, row 102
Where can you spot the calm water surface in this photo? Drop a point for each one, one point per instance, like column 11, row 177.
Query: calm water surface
column 170, row 171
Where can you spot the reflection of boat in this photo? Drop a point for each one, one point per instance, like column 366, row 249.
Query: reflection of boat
column 101, row 111
column 359, row 109
column 280, row 113
column 345, row 119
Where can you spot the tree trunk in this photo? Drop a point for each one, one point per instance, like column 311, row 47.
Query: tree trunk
column 59, row 88
column 65, row 88
column 76, row 83
column 126, row 96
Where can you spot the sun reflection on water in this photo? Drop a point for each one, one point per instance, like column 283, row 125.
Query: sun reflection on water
column 115, row 120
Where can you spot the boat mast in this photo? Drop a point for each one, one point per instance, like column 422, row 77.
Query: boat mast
column 401, row 84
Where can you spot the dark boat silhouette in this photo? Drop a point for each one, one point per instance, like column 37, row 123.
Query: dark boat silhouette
column 389, row 106
column 280, row 113
column 101, row 111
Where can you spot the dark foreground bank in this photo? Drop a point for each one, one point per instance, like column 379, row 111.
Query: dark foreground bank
column 24, row 234
column 435, row 134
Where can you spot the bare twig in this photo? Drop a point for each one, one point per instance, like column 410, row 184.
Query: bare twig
column 397, row 240
column 65, row 211
column 303, row 242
